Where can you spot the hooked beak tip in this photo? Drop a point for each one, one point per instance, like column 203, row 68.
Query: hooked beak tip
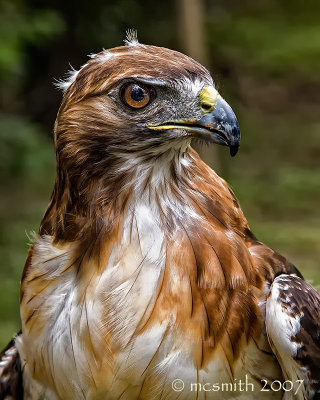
column 234, row 150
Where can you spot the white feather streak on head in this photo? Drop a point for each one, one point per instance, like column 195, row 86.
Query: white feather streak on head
column 132, row 38
column 64, row 84
column 105, row 55
column 71, row 76
column 196, row 85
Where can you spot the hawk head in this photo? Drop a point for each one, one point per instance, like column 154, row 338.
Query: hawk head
column 126, row 111
column 140, row 98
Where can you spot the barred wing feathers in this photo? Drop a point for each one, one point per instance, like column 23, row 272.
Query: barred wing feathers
column 11, row 387
column 293, row 328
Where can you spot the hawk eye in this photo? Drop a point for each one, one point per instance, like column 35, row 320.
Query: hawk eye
column 136, row 96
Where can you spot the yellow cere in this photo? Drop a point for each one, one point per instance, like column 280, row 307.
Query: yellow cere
column 208, row 98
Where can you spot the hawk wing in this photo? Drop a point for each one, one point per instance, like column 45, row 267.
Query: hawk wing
column 293, row 328
column 11, row 387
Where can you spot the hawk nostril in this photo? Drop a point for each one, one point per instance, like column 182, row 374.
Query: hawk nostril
column 208, row 98
column 206, row 106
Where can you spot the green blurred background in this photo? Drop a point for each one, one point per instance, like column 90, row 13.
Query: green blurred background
column 265, row 58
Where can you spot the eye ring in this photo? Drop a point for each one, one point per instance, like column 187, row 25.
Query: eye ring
column 136, row 95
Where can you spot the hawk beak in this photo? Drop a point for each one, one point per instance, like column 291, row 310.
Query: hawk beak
column 221, row 126
column 218, row 124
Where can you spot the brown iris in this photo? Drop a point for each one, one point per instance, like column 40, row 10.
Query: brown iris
column 136, row 96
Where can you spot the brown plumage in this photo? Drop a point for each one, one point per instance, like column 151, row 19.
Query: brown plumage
column 145, row 269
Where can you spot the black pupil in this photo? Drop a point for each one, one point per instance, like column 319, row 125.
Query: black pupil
column 137, row 93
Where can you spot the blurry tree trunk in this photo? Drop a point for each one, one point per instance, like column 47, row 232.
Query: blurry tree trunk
column 190, row 22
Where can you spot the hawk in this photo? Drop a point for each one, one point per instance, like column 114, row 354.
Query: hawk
column 145, row 281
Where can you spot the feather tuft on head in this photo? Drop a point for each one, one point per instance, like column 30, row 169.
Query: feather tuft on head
column 131, row 38
column 63, row 84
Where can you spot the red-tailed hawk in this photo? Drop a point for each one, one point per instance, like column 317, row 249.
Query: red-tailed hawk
column 145, row 281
